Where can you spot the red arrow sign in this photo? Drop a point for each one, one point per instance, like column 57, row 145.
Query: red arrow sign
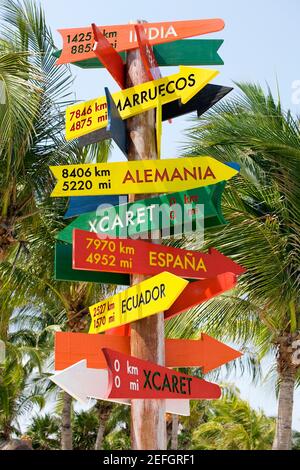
column 130, row 377
column 205, row 352
column 78, row 42
column 196, row 293
column 109, row 56
column 147, row 54
column 130, row 256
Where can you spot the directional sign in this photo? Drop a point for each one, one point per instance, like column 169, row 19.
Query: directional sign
column 139, row 301
column 172, row 213
column 91, row 115
column 82, row 204
column 139, row 257
column 78, row 43
column 205, row 352
column 108, row 55
column 116, row 128
column 147, row 54
column 143, row 176
column 130, row 377
column 83, row 383
column 198, row 292
column 63, row 270
column 201, row 102
column 182, row 52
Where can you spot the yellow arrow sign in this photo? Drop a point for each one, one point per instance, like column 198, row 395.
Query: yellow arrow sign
column 89, row 116
column 147, row 298
column 145, row 176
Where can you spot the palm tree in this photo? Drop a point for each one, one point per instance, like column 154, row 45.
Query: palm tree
column 44, row 432
column 114, row 426
column 18, row 395
column 31, row 119
column 231, row 424
column 32, row 128
column 263, row 234
column 85, row 425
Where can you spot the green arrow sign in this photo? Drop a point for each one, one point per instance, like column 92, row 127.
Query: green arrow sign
column 162, row 212
column 182, row 52
column 64, row 272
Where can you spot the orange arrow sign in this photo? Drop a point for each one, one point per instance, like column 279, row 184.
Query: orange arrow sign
column 205, row 352
column 78, row 43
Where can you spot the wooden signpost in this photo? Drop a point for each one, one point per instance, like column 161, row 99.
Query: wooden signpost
column 130, row 256
column 144, row 215
column 151, row 296
column 115, row 129
column 83, row 118
column 127, row 364
column 78, row 43
column 182, row 52
column 151, row 176
column 130, row 377
column 83, row 383
column 205, row 352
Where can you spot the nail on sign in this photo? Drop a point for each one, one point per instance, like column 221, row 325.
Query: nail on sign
column 139, row 177
column 139, row 301
column 130, row 377
column 78, row 43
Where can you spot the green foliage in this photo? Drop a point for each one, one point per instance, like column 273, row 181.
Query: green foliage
column 262, row 208
column 44, row 432
column 85, row 426
column 231, row 424
column 226, row 424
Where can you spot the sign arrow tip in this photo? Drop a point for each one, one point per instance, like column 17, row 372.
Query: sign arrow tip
column 72, row 380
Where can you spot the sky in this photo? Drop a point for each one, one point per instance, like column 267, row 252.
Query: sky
column 261, row 40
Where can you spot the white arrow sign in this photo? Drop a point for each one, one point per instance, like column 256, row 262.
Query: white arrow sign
column 83, row 383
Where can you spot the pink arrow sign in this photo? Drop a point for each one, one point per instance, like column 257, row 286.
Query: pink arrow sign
column 130, row 377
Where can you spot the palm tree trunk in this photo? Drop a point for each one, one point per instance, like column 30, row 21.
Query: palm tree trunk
column 100, row 435
column 175, row 426
column 66, row 428
column 283, row 435
column 104, row 410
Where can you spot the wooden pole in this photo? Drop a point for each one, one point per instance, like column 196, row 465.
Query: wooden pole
column 148, row 427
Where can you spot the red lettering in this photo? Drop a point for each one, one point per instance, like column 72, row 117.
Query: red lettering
column 128, row 177
column 148, row 176
column 209, row 173
column 163, row 176
column 176, row 174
